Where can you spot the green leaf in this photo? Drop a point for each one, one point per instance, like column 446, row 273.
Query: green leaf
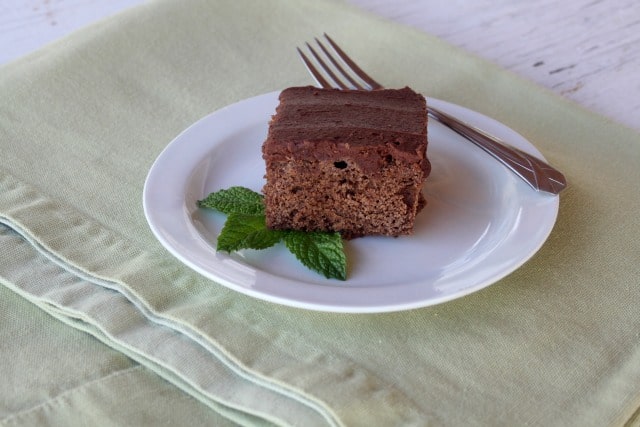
column 322, row 252
column 245, row 228
column 233, row 200
column 242, row 231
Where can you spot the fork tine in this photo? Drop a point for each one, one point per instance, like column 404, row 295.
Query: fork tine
column 338, row 67
column 329, row 79
column 313, row 71
column 327, row 69
column 354, row 67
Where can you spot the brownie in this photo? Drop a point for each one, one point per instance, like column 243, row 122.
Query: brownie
column 346, row 160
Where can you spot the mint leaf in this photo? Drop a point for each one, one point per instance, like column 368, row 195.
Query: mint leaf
column 234, row 200
column 245, row 228
column 242, row 231
column 322, row 252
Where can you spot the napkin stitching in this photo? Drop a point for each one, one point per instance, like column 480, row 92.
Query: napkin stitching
column 219, row 354
column 17, row 188
column 220, row 405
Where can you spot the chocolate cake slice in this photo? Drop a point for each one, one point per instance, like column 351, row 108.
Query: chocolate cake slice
column 348, row 161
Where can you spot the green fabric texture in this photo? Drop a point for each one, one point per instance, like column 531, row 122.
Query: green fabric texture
column 555, row 343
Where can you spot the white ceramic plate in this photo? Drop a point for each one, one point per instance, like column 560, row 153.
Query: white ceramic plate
column 480, row 224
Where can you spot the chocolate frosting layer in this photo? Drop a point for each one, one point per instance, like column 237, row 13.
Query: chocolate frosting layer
column 366, row 127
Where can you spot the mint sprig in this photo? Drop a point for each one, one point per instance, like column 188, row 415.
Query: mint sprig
column 243, row 231
column 234, row 200
column 319, row 251
column 245, row 228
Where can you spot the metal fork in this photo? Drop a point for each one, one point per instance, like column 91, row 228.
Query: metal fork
column 534, row 171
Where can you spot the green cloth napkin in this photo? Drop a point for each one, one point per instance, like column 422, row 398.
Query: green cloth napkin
column 82, row 120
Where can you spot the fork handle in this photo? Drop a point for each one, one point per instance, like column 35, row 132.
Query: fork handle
column 535, row 172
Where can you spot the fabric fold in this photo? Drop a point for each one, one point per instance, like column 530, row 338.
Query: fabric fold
column 107, row 310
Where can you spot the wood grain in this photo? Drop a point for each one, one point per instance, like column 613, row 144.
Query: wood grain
column 585, row 50
column 588, row 51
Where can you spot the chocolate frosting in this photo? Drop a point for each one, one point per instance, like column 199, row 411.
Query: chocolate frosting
column 366, row 127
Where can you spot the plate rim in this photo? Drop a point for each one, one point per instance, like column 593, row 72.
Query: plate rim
column 271, row 97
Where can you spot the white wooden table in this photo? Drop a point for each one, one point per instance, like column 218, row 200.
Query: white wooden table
column 588, row 51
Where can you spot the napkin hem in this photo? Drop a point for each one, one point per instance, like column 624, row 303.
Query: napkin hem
column 17, row 198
